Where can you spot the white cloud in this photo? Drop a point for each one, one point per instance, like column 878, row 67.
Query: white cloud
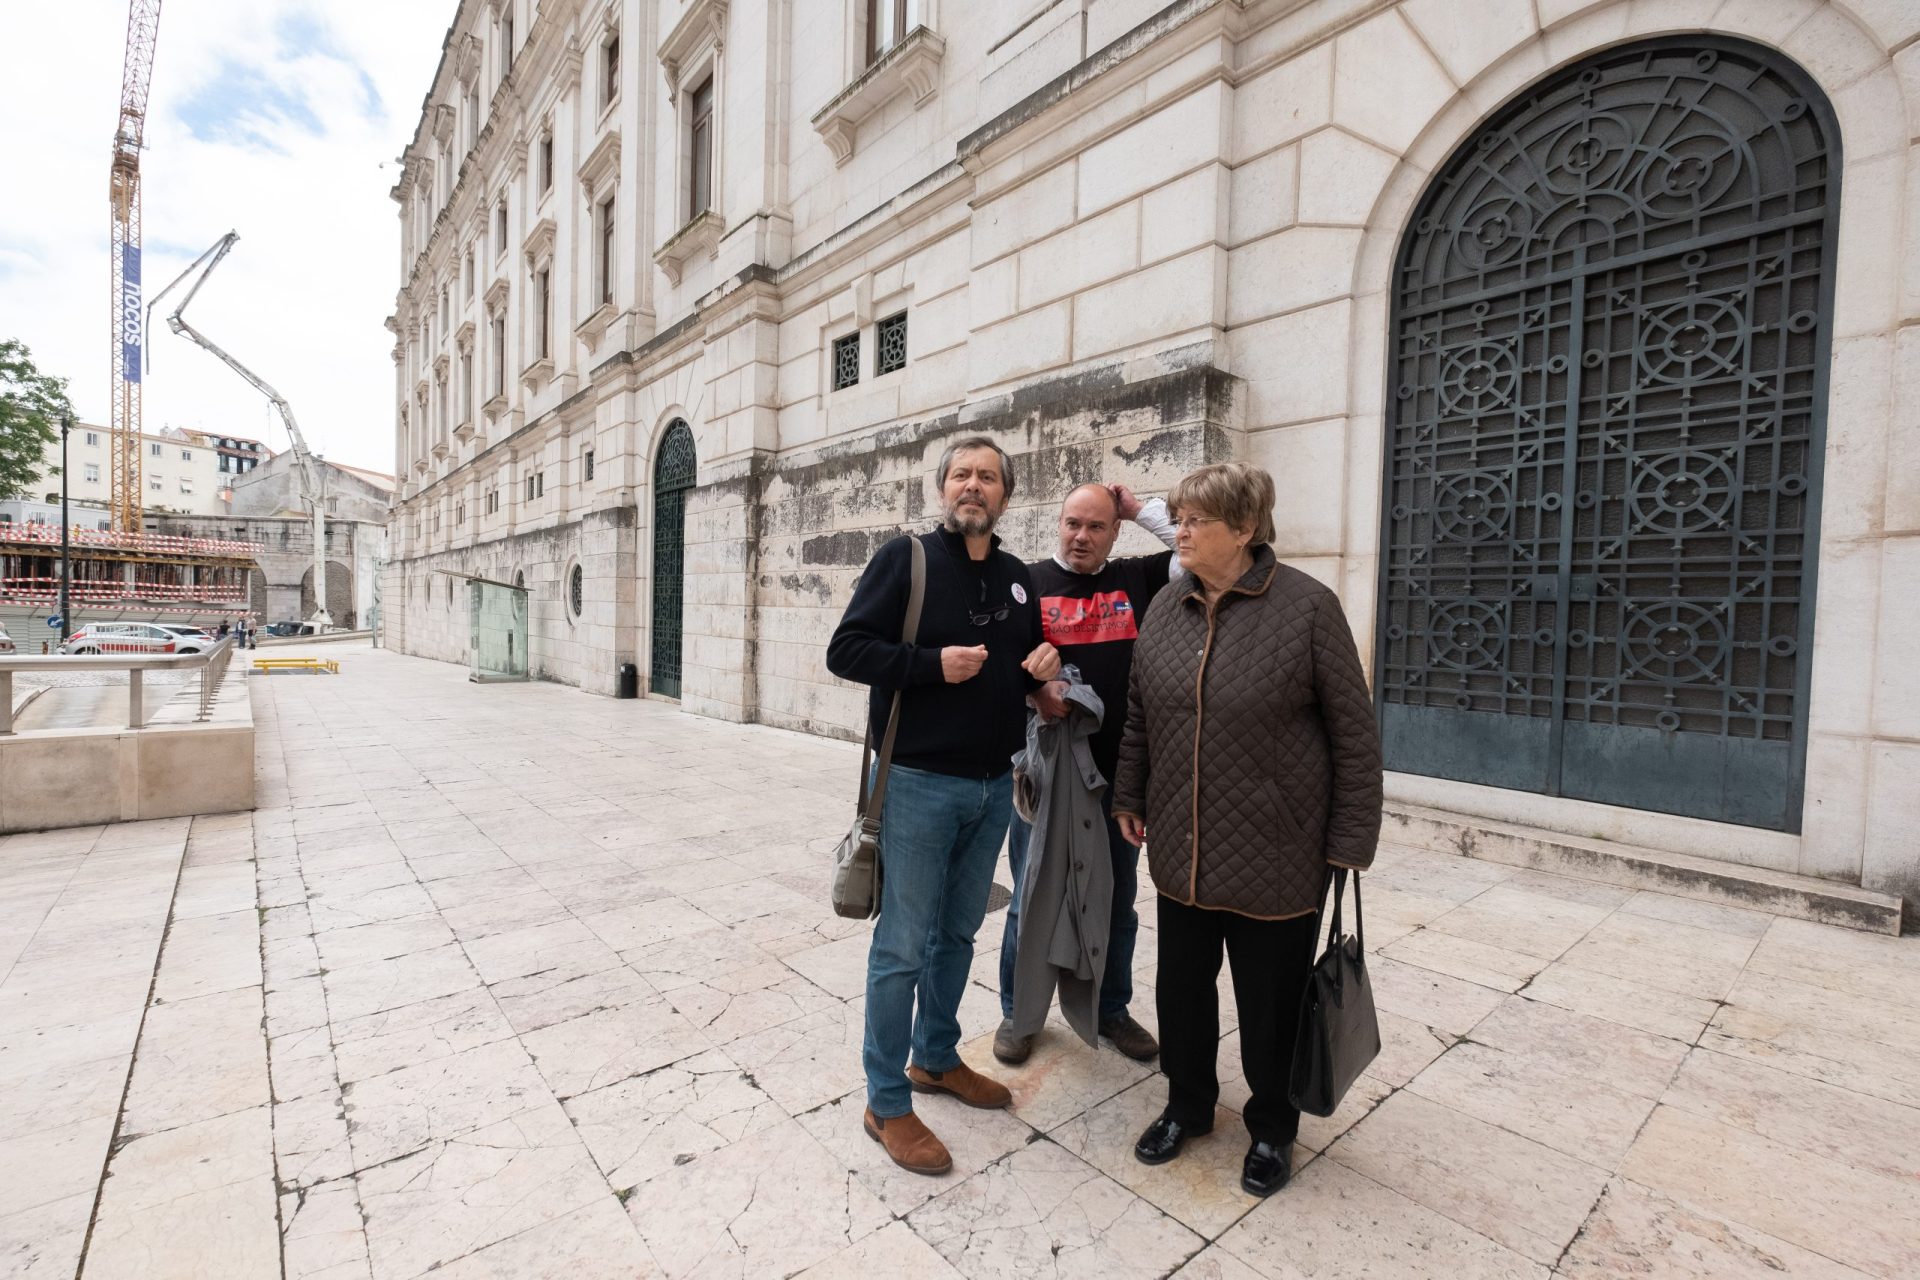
column 278, row 119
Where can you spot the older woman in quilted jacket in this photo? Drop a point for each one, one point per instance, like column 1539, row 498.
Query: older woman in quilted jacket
column 1251, row 762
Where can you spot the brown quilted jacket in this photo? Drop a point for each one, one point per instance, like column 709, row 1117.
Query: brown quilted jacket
column 1251, row 747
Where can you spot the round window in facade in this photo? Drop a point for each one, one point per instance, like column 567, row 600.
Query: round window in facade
column 576, row 590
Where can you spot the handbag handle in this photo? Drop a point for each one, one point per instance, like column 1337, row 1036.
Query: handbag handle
column 1338, row 885
column 870, row 806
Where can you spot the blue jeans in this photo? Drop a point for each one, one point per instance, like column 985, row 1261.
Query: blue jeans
column 1123, row 927
column 939, row 840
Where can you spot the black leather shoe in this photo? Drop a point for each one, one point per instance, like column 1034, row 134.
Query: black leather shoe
column 1163, row 1139
column 1267, row 1168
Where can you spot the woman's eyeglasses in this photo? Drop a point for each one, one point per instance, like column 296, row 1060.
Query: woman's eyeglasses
column 982, row 619
column 1187, row 524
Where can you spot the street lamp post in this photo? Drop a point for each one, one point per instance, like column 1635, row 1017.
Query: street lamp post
column 66, row 533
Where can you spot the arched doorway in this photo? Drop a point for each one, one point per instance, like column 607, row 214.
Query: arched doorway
column 1606, row 393
column 339, row 594
column 673, row 475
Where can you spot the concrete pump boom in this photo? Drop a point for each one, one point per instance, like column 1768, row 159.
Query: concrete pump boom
column 312, row 480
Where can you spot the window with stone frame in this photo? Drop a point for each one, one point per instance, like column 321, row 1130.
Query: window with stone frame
column 586, row 462
column 700, row 149
column 888, row 22
column 543, row 313
column 890, row 344
column 506, row 43
column 846, row 361
column 605, row 291
column 609, row 70
column 499, row 386
column 500, row 228
column 546, row 161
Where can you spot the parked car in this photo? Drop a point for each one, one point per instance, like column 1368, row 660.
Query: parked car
column 6, row 641
column 191, row 639
column 289, row 629
column 122, row 637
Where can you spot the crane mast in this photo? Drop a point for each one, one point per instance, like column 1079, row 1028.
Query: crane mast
column 307, row 470
column 123, row 191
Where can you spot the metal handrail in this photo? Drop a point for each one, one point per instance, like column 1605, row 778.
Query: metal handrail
column 212, row 666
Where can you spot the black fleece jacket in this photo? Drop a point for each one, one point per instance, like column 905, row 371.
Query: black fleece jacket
column 967, row 730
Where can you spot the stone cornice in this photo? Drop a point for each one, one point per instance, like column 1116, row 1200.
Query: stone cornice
column 538, row 246
column 602, row 165
column 704, row 21
column 496, row 295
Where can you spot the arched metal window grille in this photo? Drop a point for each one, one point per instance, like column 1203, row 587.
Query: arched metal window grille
column 1606, row 397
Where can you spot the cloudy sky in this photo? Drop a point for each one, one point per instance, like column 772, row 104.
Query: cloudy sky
column 278, row 119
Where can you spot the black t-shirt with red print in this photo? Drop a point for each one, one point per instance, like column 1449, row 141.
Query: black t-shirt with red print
column 1093, row 620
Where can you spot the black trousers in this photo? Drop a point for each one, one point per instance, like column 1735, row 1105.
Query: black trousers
column 1270, row 960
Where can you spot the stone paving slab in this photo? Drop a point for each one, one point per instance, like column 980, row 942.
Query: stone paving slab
column 545, row 985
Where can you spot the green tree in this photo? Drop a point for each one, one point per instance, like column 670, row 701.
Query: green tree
column 31, row 406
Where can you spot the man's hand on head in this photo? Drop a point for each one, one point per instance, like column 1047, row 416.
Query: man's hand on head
column 1126, row 500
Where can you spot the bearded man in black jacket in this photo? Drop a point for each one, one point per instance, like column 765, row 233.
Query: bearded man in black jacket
column 964, row 682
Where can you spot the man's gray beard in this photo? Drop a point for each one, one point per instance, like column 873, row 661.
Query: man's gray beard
column 970, row 524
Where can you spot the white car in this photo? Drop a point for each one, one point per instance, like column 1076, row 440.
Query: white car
column 191, row 639
column 123, row 637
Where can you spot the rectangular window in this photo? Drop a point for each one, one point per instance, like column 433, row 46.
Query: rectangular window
column 700, row 150
column 606, row 250
column 186, row 455
column 226, row 464
column 499, row 355
column 154, row 449
column 466, row 387
column 93, row 438
column 888, row 22
column 609, row 70
column 473, row 118
column 500, row 227
column 890, row 344
column 527, row 490
column 589, row 465
column 443, row 311
column 93, row 473
column 546, row 162
column 846, row 361
column 186, row 486
column 506, row 45
column 467, row 273
column 155, row 484
column 543, row 312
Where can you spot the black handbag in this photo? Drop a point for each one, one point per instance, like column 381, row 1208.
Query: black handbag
column 1339, row 1033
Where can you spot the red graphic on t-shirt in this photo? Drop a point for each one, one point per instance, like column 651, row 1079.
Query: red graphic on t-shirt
column 1108, row 615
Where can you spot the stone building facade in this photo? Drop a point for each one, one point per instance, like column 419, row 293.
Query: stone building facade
column 1580, row 336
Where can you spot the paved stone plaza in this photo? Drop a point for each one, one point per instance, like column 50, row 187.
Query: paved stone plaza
column 516, row 981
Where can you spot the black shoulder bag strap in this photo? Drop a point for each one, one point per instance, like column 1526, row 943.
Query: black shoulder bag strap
column 870, row 807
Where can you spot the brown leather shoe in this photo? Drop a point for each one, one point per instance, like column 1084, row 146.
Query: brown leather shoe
column 1130, row 1038
column 910, row 1143
column 964, row 1083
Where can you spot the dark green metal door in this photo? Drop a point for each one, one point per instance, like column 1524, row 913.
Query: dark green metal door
column 1606, row 400
column 673, row 474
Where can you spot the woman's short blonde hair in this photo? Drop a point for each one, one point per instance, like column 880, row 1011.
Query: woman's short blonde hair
column 1236, row 492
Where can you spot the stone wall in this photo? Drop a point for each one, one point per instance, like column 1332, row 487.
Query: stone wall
column 1095, row 201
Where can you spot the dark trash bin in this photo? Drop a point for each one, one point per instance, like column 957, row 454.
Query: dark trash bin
column 629, row 681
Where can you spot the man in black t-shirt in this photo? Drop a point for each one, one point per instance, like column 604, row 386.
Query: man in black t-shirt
column 1091, row 607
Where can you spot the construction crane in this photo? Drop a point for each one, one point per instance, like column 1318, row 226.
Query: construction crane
column 123, row 193
column 306, row 468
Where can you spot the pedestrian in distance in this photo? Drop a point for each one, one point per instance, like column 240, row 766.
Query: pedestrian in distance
column 1250, row 765
column 978, row 653
column 1091, row 607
